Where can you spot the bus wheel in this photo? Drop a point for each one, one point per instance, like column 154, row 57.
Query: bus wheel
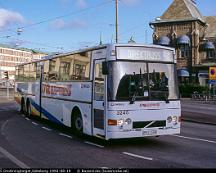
column 77, row 123
column 22, row 109
column 29, row 110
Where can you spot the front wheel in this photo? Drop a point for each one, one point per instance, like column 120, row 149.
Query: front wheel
column 77, row 123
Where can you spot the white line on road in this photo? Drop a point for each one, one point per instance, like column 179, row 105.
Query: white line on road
column 35, row 123
column 196, row 139
column 27, row 119
column 13, row 159
column 68, row 136
column 141, row 157
column 45, row 128
column 90, row 143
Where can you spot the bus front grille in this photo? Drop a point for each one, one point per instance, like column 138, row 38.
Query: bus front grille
column 149, row 124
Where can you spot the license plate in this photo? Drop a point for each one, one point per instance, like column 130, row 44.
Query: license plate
column 149, row 132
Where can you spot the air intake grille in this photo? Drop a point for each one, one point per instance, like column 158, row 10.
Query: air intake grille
column 142, row 124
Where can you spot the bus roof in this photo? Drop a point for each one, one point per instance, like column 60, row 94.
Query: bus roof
column 110, row 46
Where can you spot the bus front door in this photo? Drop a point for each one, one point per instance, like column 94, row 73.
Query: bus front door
column 98, row 110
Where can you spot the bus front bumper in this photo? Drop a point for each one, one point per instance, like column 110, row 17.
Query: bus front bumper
column 141, row 133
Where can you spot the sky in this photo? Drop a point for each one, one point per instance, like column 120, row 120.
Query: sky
column 67, row 25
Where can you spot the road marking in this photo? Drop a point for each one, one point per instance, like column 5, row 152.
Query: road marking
column 138, row 156
column 196, row 139
column 45, row 128
column 27, row 119
column 90, row 143
column 68, row 136
column 13, row 159
column 35, row 123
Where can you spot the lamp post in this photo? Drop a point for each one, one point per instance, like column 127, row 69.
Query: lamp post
column 116, row 20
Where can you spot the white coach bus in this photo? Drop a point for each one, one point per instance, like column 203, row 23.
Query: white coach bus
column 109, row 91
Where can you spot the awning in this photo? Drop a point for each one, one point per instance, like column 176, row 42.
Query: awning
column 183, row 73
column 164, row 41
column 184, row 39
column 208, row 46
column 203, row 75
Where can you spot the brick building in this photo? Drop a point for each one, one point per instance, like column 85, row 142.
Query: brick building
column 10, row 57
column 193, row 36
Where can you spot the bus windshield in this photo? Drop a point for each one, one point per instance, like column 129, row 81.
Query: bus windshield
column 141, row 81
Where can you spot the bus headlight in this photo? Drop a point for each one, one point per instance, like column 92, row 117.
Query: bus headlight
column 173, row 119
column 128, row 121
column 121, row 122
column 169, row 119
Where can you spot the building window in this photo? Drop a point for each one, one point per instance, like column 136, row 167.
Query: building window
column 210, row 54
column 185, row 51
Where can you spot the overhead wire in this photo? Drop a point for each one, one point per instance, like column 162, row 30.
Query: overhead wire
column 62, row 16
column 15, row 30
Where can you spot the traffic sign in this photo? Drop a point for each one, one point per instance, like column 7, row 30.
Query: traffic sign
column 212, row 73
column 212, row 81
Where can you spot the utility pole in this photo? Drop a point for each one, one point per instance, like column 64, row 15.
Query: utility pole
column 116, row 21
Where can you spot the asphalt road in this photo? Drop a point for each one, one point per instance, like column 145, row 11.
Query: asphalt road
column 198, row 111
column 29, row 143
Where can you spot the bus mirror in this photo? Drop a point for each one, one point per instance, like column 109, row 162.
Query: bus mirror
column 104, row 68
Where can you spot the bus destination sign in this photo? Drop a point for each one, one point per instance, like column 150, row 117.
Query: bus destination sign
column 146, row 54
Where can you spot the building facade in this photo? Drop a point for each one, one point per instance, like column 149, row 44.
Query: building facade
column 192, row 35
column 10, row 57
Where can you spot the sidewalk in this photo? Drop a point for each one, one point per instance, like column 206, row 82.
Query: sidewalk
column 198, row 111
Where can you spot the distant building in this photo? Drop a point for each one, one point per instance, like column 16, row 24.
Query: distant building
column 192, row 35
column 36, row 55
column 10, row 57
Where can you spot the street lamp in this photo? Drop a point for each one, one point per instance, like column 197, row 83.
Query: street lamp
column 116, row 21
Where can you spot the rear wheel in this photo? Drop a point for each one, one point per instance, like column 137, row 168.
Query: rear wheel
column 22, row 109
column 77, row 123
column 29, row 110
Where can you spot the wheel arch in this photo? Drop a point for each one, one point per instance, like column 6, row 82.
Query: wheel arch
column 76, row 109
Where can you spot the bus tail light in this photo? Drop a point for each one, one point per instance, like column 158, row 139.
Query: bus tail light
column 112, row 122
column 179, row 119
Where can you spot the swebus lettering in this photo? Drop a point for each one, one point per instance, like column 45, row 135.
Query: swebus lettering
column 56, row 90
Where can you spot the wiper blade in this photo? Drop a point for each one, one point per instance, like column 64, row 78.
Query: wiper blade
column 165, row 98
column 133, row 98
column 138, row 88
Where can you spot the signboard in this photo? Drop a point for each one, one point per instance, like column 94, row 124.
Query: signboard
column 212, row 82
column 212, row 73
column 145, row 54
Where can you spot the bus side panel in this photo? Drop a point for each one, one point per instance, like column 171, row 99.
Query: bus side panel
column 22, row 90
column 60, row 111
column 59, row 99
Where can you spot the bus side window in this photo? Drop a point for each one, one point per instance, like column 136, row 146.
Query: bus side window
column 81, row 66
column 64, row 70
column 99, row 83
column 53, row 73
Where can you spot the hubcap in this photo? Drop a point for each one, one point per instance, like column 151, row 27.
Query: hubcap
column 78, row 123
